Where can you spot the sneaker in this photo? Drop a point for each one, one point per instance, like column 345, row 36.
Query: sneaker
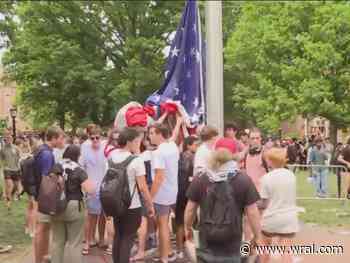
column 171, row 258
column 180, row 255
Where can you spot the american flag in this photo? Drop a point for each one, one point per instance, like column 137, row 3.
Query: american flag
column 184, row 73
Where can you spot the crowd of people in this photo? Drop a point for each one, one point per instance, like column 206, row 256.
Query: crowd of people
column 239, row 183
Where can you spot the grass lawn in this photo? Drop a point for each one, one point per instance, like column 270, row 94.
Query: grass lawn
column 12, row 223
column 319, row 211
column 12, row 230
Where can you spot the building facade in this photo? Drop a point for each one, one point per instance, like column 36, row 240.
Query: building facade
column 7, row 101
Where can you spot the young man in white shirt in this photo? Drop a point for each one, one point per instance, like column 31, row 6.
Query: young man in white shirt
column 165, row 185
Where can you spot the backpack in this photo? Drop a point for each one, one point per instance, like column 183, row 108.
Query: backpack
column 220, row 221
column 52, row 199
column 184, row 174
column 30, row 176
column 114, row 191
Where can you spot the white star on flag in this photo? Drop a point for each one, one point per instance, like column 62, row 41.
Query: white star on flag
column 175, row 52
column 188, row 74
column 193, row 51
column 194, row 28
column 156, row 98
column 198, row 56
column 201, row 110
column 177, row 91
column 195, row 118
column 196, row 102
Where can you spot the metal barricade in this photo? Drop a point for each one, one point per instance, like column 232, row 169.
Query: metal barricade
column 335, row 178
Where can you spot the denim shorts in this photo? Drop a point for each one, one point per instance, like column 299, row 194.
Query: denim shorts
column 93, row 205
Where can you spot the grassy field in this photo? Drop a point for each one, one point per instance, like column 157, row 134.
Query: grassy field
column 319, row 211
column 12, row 232
column 12, row 229
column 12, row 224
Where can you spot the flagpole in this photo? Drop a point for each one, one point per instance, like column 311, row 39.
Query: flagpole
column 214, row 64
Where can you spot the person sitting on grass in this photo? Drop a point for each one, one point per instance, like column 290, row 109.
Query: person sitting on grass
column 278, row 194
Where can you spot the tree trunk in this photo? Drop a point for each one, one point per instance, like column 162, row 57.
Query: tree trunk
column 333, row 132
column 62, row 121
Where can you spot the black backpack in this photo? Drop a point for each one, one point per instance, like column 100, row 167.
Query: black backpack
column 114, row 192
column 52, row 198
column 30, row 176
column 220, row 221
column 184, row 174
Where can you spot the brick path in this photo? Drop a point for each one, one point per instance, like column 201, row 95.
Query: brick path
column 309, row 234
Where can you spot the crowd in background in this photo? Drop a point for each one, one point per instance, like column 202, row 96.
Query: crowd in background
column 169, row 180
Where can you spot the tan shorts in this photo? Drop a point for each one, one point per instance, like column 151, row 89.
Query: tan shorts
column 42, row 218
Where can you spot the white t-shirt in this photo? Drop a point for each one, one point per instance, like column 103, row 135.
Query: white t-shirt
column 134, row 169
column 94, row 163
column 201, row 158
column 166, row 158
column 58, row 153
column 279, row 187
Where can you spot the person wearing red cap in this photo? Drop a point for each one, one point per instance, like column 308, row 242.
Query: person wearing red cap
column 226, row 143
column 222, row 188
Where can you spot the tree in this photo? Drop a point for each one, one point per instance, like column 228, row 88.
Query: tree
column 290, row 58
column 77, row 61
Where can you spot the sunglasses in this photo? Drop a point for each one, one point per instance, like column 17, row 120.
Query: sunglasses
column 95, row 138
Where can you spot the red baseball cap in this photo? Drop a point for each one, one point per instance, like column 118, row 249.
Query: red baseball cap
column 226, row 143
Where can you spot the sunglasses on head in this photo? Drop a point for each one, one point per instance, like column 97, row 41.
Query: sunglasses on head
column 94, row 138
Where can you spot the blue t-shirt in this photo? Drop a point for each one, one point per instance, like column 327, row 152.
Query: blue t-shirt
column 45, row 160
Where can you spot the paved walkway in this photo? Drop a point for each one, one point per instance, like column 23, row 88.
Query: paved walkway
column 309, row 235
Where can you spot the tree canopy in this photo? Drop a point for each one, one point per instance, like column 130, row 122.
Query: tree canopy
column 288, row 58
column 77, row 61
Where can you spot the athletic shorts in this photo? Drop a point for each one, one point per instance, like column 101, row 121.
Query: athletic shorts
column 12, row 175
column 93, row 205
column 162, row 210
column 43, row 218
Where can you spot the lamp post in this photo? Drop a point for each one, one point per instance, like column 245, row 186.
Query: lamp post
column 13, row 113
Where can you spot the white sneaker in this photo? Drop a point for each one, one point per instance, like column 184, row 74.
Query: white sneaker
column 180, row 255
column 172, row 257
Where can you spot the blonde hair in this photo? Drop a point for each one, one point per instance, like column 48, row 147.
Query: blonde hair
column 220, row 157
column 277, row 156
